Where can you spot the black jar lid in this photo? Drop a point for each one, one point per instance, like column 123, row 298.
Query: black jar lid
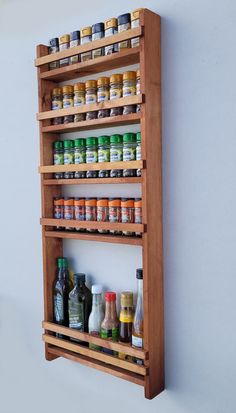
column 75, row 35
column 124, row 18
column 97, row 28
column 54, row 42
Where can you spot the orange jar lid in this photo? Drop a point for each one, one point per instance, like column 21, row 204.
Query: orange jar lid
column 57, row 91
column 69, row 202
column 114, row 202
column 58, row 201
column 79, row 202
column 90, row 83
column 116, row 77
column 103, row 81
column 130, row 75
column 68, row 89
column 127, row 203
column 102, row 202
column 90, row 202
column 138, row 203
column 79, row 87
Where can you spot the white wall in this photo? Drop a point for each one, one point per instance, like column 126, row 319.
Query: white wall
column 199, row 153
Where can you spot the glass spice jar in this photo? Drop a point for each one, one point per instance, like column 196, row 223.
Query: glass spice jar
column 138, row 151
column 69, row 210
column 86, row 37
column 129, row 89
column 129, row 152
column 57, row 103
column 79, row 100
column 64, row 44
column 69, row 157
column 58, row 209
column 116, row 81
column 97, row 33
column 91, row 97
column 116, row 154
column 79, row 211
column 80, row 157
column 127, row 213
column 53, row 48
column 91, row 155
column 91, row 211
column 74, row 41
column 114, row 205
column 138, row 107
column 110, row 29
column 138, row 213
column 103, row 95
column 102, row 213
column 58, row 157
column 68, row 102
column 135, row 21
column 123, row 25
column 103, row 154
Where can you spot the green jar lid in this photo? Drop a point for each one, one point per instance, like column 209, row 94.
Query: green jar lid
column 116, row 138
column 129, row 137
column 58, row 145
column 91, row 141
column 138, row 136
column 80, row 142
column 68, row 144
column 62, row 262
column 102, row 140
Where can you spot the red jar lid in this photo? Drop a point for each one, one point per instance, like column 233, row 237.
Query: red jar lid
column 110, row 296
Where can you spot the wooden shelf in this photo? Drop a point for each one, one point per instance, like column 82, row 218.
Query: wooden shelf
column 89, row 181
column 107, row 166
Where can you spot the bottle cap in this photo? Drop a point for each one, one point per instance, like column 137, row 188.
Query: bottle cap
column 137, row 203
column 135, row 14
column 127, row 203
column 68, row 144
column 54, row 42
column 68, row 89
column 96, row 289
column 58, row 201
column 79, row 202
column 80, row 142
column 91, row 141
column 114, row 202
column 124, row 18
column 110, row 23
column 58, row 145
column 86, row 31
column 130, row 75
column 68, row 201
column 116, row 77
column 79, row 277
column 91, row 202
column 129, row 137
column 56, row 91
column 62, row 262
column 103, row 81
column 65, row 38
column 116, row 138
column 80, row 86
column 138, row 136
column 103, row 140
column 75, row 35
column 110, row 296
column 126, row 299
column 97, row 28
column 90, row 83
column 102, row 202
column 139, row 273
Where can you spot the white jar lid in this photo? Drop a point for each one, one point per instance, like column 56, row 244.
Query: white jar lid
column 96, row 289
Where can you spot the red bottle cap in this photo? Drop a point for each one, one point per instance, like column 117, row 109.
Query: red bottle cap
column 110, row 296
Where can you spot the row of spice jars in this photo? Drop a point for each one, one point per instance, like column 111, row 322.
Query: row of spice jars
column 96, row 31
column 114, row 148
column 93, row 91
column 99, row 209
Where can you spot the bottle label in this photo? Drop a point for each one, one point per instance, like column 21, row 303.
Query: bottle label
column 126, row 318
column 79, row 100
column 115, row 93
column 56, row 104
column 91, row 156
column 138, row 216
column 114, row 214
column 129, row 154
column 137, row 341
column 102, row 214
column 80, row 213
column 91, row 98
column 58, row 159
column 68, row 158
column 127, row 215
column 103, row 155
column 58, row 308
column 58, row 212
column 129, row 91
column 138, row 153
column 94, row 346
column 68, row 212
column 79, row 157
column 116, row 155
column 68, row 103
column 110, row 334
column 76, row 315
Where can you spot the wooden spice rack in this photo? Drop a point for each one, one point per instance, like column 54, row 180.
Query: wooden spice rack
column 150, row 375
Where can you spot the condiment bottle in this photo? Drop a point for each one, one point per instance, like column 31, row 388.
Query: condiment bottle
column 79, row 100
column 138, row 151
column 80, row 156
column 127, row 213
column 91, row 155
column 74, row 41
column 69, row 210
column 138, row 107
column 57, row 103
column 135, row 21
column 103, row 154
column 80, row 303
column 129, row 152
column 129, row 89
column 138, row 212
column 116, row 154
column 58, row 209
column 116, row 92
column 97, row 315
column 110, row 324
column 110, row 29
column 68, row 101
column 79, row 211
column 69, row 157
column 61, row 294
column 126, row 316
column 102, row 213
column 91, row 97
column 114, row 205
column 86, row 37
column 97, row 33
column 123, row 25
column 91, row 211
column 53, row 48
column 103, row 94
column 58, row 157
column 64, row 43
column 137, row 334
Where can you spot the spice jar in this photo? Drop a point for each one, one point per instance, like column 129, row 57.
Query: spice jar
column 79, row 100
column 91, row 211
column 116, row 154
column 53, row 48
column 102, row 213
column 57, row 104
column 103, row 154
column 79, row 211
column 97, row 33
column 64, row 43
column 69, row 210
column 91, row 155
column 114, row 205
column 86, row 37
column 129, row 89
column 138, row 151
column 110, row 29
column 135, row 21
column 74, row 41
column 69, row 157
column 68, row 101
column 58, row 209
column 127, row 213
column 129, row 152
column 80, row 157
column 58, row 157
column 91, row 97
column 138, row 212
column 116, row 81
column 138, row 107
column 123, row 25
column 103, row 95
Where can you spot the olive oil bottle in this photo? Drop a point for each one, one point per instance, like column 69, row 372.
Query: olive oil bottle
column 61, row 289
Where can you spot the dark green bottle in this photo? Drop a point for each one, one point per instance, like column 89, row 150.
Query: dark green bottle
column 61, row 289
column 80, row 304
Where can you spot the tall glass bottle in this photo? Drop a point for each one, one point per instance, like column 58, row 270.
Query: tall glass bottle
column 60, row 294
column 126, row 316
column 110, row 324
column 137, row 334
column 97, row 315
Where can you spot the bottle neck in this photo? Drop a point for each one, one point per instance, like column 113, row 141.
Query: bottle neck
column 79, row 284
column 97, row 300
column 140, row 289
column 62, row 273
column 110, row 310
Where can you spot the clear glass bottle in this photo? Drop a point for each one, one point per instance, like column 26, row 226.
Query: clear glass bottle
column 69, row 157
column 114, row 210
column 135, row 22
column 129, row 89
column 102, row 213
column 124, row 23
column 97, row 33
column 53, row 48
column 64, row 44
column 110, row 324
column 74, row 41
column 110, row 29
column 79, row 100
column 116, row 154
column 103, row 154
column 68, row 102
column 127, row 213
column 61, row 289
column 80, row 157
column 116, row 81
column 69, row 211
column 129, row 152
column 103, row 95
column 91, row 97
column 97, row 315
column 91, row 211
column 58, row 157
column 57, row 104
column 86, row 37
column 91, row 155
column 138, row 107
column 79, row 211
column 137, row 334
column 126, row 316
column 138, row 152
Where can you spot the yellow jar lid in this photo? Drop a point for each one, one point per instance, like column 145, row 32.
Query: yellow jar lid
column 135, row 14
column 103, row 81
column 138, row 73
column 86, row 31
column 68, row 89
column 130, row 75
column 90, row 83
column 116, row 77
column 126, row 299
column 64, row 39
column 110, row 23
column 57, row 91
column 79, row 86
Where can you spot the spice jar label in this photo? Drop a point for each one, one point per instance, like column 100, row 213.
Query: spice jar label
column 103, row 155
column 80, row 157
column 129, row 154
column 91, row 156
column 68, row 103
column 58, row 159
column 116, row 155
column 56, row 104
column 115, row 93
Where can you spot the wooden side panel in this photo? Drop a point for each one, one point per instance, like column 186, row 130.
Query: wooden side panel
column 150, row 71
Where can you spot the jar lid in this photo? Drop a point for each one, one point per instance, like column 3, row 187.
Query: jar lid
column 116, row 77
column 116, row 138
column 67, row 89
column 130, row 75
column 138, row 73
column 124, row 18
column 69, row 201
column 127, row 203
column 79, row 201
column 65, row 38
column 79, row 86
column 110, row 296
column 129, row 137
column 58, row 201
column 80, row 142
column 103, row 81
column 90, row 83
column 138, row 136
column 126, row 299
column 58, row 145
column 138, row 203
column 139, row 273
column 75, row 35
column 114, row 202
column 54, row 42
column 112, row 22
column 56, row 91
column 96, row 289
column 103, row 140
column 135, row 14
column 79, row 277
column 62, row 262
column 68, row 144
column 102, row 202
column 91, row 141
column 97, row 28
column 90, row 201
column 86, row 31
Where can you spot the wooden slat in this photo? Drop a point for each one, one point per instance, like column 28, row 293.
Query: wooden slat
column 92, row 224
column 107, row 166
column 115, row 103
column 111, row 345
column 105, row 41
column 97, row 355
column 98, row 365
column 88, row 181
column 86, row 236
column 104, row 63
